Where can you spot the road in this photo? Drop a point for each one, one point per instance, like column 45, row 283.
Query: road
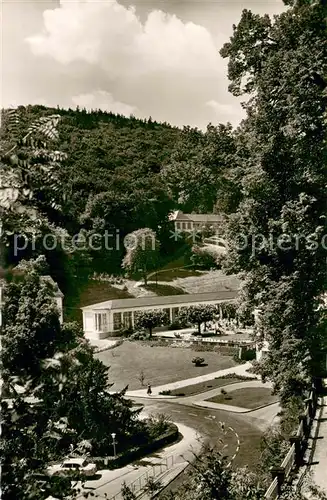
column 194, row 422
column 249, row 426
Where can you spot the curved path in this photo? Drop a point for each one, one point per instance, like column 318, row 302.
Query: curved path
column 176, row 457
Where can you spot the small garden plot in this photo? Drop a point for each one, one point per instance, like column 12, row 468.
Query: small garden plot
column 192, row 390
column 248, row 397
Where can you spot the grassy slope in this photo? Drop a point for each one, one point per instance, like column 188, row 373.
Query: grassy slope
column 93, row 292
column 163, row 289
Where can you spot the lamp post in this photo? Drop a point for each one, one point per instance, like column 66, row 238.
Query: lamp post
column 114, row 442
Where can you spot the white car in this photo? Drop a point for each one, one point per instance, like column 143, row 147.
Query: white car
column 73, row 465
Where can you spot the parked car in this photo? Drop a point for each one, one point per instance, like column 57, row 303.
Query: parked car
column 72, row 466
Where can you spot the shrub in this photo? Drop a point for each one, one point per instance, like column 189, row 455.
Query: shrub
column 237, row 358
column 165, row 393
column 126, row 332
column 158, row 424
column 152, row 486
column 234, row 375
column 198, row 361
column 200, row 257
column 139, row 335
column 177, row 325
column 225, row 394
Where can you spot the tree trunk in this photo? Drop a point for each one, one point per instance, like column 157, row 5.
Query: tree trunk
column 150, row 331
column 199, row 328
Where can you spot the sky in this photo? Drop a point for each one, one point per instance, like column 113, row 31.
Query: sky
column 157, row 58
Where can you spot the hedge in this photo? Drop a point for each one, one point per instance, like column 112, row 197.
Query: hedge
column 138, row 452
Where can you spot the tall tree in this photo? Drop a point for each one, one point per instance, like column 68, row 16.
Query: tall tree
column 197, row 315
column 200, row 164
column 150, row 319
column 277, row 234
column 54, row 365
column 30, row 178
column 142, row 253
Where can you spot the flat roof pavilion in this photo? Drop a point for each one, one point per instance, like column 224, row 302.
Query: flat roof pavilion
column 112, row 315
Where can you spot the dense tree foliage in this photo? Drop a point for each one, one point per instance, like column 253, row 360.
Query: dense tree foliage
column 200, row 164
column 212, row 478
column 277, row 234
column 196, row 315
column 29, row 173
column 54, row 365
column 150, row 319
column 120, row 174
column 142, row 252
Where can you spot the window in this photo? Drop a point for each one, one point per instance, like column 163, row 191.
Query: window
column 100, row 321
column 128, row 319
column 189, row 225
column 117, row 321
column 175, row 311
column 184, row 225
column 178, row 225
column 167, row 314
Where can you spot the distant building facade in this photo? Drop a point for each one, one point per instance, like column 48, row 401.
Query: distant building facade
column 195, row 222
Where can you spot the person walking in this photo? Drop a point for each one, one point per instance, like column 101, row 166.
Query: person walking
column 149, row 391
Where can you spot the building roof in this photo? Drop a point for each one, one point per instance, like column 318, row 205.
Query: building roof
column 205, row 217
column 178, row 215
column 167, row 300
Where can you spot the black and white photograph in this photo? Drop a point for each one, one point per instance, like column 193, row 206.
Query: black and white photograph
column 163, row 249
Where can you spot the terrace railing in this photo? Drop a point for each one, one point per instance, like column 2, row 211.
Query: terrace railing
column 294, row 456
column 153, row 472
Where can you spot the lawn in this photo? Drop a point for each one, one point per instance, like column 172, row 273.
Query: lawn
column 163, row 289
column 172, row 274
column 191, row 390
column 248, row 397
column 161, row 365
column 93, row 292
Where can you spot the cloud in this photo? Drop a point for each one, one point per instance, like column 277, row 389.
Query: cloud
column 163, row 66
column 112, row 36
column 103, row 100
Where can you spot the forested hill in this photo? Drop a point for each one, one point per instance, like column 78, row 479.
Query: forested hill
column 122, row 174
column 111, row 154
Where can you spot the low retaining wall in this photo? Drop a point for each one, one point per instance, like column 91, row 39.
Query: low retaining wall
column 110, row 462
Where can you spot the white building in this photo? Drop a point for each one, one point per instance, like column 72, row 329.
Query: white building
column 58, row 296
column 99, row 320
column 195, row 222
